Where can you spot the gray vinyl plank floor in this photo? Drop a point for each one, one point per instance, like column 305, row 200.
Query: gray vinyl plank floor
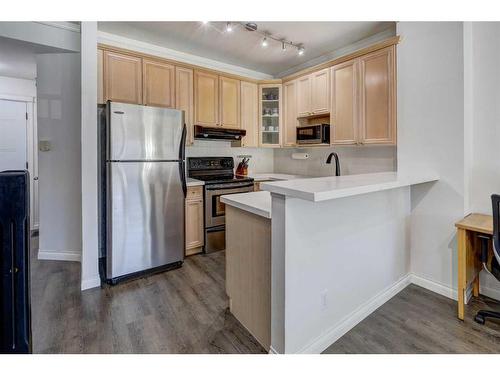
column 417, row 320
column 186, row 311
column 180, row 311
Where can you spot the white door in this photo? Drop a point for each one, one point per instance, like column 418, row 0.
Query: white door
column 13, row 135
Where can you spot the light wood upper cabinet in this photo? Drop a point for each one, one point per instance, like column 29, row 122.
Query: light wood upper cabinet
column 184, row 98
column 313, row 93
column 158, row 84
column 320, row 91
column 290, row 121
column 344, row 114
column 229, row 102
column 377, row 97
column 206, row 98
column 100, row 77
column 304, row 96
column 249, row 113
column 122, row 78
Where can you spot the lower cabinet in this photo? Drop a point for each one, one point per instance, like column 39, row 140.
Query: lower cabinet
column 194, row 220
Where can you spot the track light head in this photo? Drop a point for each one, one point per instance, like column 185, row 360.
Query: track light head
column 264, row 42
column 301, row 51
column 229, row 27
column 283, row 46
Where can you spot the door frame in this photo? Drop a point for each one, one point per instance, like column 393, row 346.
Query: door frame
column 32, row 152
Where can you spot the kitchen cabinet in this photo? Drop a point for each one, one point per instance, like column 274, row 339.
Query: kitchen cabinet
column 249, row 112
column 320, row 92
column 122, row 77
column 229, row 89
column 364, row 100
column 313, row 94
column 194, row 220
column 344, row 114
column 290, row 114
column 206, row 98
column 100, row 77
column 270, row 113
column 304, row 96
column 184, row 98
column 158, row 84
column 377, row 97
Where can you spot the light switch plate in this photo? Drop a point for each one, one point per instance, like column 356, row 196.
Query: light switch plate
column 44, row 145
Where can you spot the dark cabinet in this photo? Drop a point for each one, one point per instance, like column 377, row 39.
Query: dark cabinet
column 15, row 313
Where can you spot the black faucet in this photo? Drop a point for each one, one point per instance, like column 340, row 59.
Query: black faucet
column 337, row 162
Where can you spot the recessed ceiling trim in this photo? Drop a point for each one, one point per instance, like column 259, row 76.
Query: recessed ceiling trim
column 167, row 53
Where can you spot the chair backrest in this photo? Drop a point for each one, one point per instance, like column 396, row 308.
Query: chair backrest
column 495, row 200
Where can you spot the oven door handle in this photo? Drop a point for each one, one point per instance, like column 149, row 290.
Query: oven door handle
column 235, row 187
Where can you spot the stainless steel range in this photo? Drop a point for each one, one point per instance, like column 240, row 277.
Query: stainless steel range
column 217, row 173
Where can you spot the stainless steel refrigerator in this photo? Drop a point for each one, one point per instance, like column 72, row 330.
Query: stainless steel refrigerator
column 145, row 189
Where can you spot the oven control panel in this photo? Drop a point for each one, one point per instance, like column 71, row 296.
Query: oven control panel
column 211, row 163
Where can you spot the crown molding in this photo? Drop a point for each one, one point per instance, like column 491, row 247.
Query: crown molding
column 360, row 44
column 62, row 25
column 167, row 53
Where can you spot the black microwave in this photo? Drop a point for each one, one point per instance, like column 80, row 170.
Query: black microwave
column 313, row 134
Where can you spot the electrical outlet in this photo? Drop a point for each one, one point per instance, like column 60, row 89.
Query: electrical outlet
column 324, row 299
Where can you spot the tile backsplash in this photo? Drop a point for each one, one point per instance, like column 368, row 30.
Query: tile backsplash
column 261, row 161
column 353, row 160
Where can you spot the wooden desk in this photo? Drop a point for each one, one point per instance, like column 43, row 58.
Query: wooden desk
column 469, row 250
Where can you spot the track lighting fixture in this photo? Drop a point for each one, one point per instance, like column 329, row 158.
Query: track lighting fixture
column 266, row 37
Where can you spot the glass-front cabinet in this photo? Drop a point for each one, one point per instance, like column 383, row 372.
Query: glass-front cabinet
column 270, row 108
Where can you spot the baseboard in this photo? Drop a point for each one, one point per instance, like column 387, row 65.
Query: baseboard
column 71, row 256
column 272, row 350
column 337, row 331
column 91, row 283
column 434, row 286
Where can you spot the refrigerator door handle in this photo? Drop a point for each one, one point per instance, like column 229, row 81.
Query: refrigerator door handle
column 182, row 157
column 182, row 174
column 182, row 146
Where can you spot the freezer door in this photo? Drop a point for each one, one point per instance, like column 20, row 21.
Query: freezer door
column 145, row 216
column 138, row 132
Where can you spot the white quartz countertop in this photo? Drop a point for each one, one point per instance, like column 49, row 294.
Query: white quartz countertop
column 194, row 182
column 274, row 176
column 258, row 202
column 325, row 188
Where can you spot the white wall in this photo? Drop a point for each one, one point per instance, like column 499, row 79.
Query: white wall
column 356, row 260
column 58, row 89
column 353, row 160
column 431, row 136
column 16, row 60
column 261, row 161
column 59, row 36
column 89, row 188
column 485, row 163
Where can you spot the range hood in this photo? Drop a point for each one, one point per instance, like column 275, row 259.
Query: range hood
column 222, row 134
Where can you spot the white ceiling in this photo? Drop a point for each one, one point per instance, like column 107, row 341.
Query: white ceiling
column 243, row 48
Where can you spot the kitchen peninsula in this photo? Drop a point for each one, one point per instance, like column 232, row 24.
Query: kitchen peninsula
column 320, row 255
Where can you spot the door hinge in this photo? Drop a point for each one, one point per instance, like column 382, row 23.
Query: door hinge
column 26, row 115
column 27, row 165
